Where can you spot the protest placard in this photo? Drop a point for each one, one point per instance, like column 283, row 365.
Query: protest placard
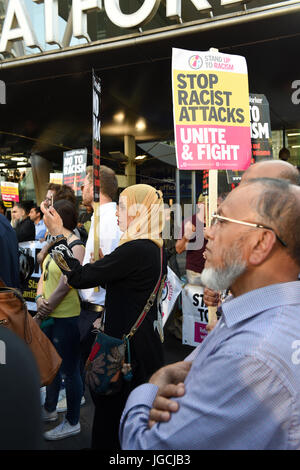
column 195, row 315
column 211, row 110
column 9, row 191
column 29, row 291
column 74, row 169
column 261, row 135
column 56, row 178
column 96, row 139
column 172, row 288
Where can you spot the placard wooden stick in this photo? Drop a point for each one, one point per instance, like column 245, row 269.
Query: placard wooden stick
column 212, row 207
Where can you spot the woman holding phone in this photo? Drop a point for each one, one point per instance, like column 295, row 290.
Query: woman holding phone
column 129, row 275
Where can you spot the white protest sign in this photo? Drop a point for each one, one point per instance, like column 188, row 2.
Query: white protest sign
column 56, row 178
column 195, row 315
column 172, row 288
column 29, row 292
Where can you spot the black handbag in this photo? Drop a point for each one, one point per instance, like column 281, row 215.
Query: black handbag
column 106, row 367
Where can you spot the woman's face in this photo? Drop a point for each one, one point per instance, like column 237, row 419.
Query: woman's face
column 124, row 219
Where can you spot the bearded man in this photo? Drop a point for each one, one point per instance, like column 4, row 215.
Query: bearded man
column 241, row 385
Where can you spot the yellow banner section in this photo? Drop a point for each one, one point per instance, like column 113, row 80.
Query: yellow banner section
column 56, row 178
column 9, row 190
column 211, row 98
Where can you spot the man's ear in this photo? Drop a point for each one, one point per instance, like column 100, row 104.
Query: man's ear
column 262, row 246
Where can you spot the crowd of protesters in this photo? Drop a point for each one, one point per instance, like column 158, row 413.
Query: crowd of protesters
column 239, row 389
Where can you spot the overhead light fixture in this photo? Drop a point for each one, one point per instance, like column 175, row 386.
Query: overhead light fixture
column 293, row 134
column 119, row 117
column 140, row 125
column 295, row 146
column 19, row 159
column 140, row 157
column 2, row 165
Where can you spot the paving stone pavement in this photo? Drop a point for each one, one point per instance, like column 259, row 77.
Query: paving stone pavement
column 174, row 351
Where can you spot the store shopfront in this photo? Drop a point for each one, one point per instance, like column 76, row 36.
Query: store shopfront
column 48, row 51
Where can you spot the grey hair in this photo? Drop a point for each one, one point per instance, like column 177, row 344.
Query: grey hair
column 292, row 175
column 286, row 171
column 279, row 208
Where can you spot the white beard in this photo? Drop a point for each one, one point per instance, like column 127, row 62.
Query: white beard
column 219, row 279
column 222, row 279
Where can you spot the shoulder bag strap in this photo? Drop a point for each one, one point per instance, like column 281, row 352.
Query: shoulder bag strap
column 75, row 242
column 149, row 303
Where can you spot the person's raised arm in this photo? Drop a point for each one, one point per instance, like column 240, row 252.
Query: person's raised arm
column 189, row 233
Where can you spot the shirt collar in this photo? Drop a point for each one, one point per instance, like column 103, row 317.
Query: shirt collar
column 107, row 207
column 238, row 309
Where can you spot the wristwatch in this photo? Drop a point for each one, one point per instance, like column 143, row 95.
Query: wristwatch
column 55, row 238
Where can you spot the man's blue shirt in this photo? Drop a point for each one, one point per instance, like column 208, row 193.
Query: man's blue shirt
column 243, row 389
column 40, row 230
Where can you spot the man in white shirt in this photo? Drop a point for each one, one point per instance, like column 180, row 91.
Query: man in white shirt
column 92, row 301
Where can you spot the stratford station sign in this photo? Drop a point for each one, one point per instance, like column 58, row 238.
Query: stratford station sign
column 17, row 25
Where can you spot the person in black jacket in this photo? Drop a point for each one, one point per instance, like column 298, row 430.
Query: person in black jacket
column 20, row 407
column 23, row 225
column 129, row 275
column 9, row 255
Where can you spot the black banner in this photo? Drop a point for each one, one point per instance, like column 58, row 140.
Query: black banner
column 74, row 169
column 205, row 183
column 261, row 136
column 96, row 136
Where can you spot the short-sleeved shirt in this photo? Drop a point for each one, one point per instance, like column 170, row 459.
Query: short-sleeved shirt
column 70, row 304
column 40, row 230
column 109, row 235
column 194, row 257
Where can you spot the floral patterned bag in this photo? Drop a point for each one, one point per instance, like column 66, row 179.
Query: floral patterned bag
column 106, row 367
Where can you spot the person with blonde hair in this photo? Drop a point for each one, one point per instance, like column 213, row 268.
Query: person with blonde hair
column 129, row 274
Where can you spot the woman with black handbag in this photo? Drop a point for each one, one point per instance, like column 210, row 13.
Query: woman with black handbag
column 131, row 275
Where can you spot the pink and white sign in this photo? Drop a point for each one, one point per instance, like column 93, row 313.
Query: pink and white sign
column 195, row 315
column 211, row 111
column 9, row 191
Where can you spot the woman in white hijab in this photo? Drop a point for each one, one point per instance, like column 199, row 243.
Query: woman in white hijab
column 129, row 274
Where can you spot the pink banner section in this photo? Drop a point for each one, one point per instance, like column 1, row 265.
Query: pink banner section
column 200, row 332
column 10, row 197
column 213, row 147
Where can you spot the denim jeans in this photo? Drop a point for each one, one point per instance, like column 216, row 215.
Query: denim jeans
column 87, row 339
column 64, row 334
